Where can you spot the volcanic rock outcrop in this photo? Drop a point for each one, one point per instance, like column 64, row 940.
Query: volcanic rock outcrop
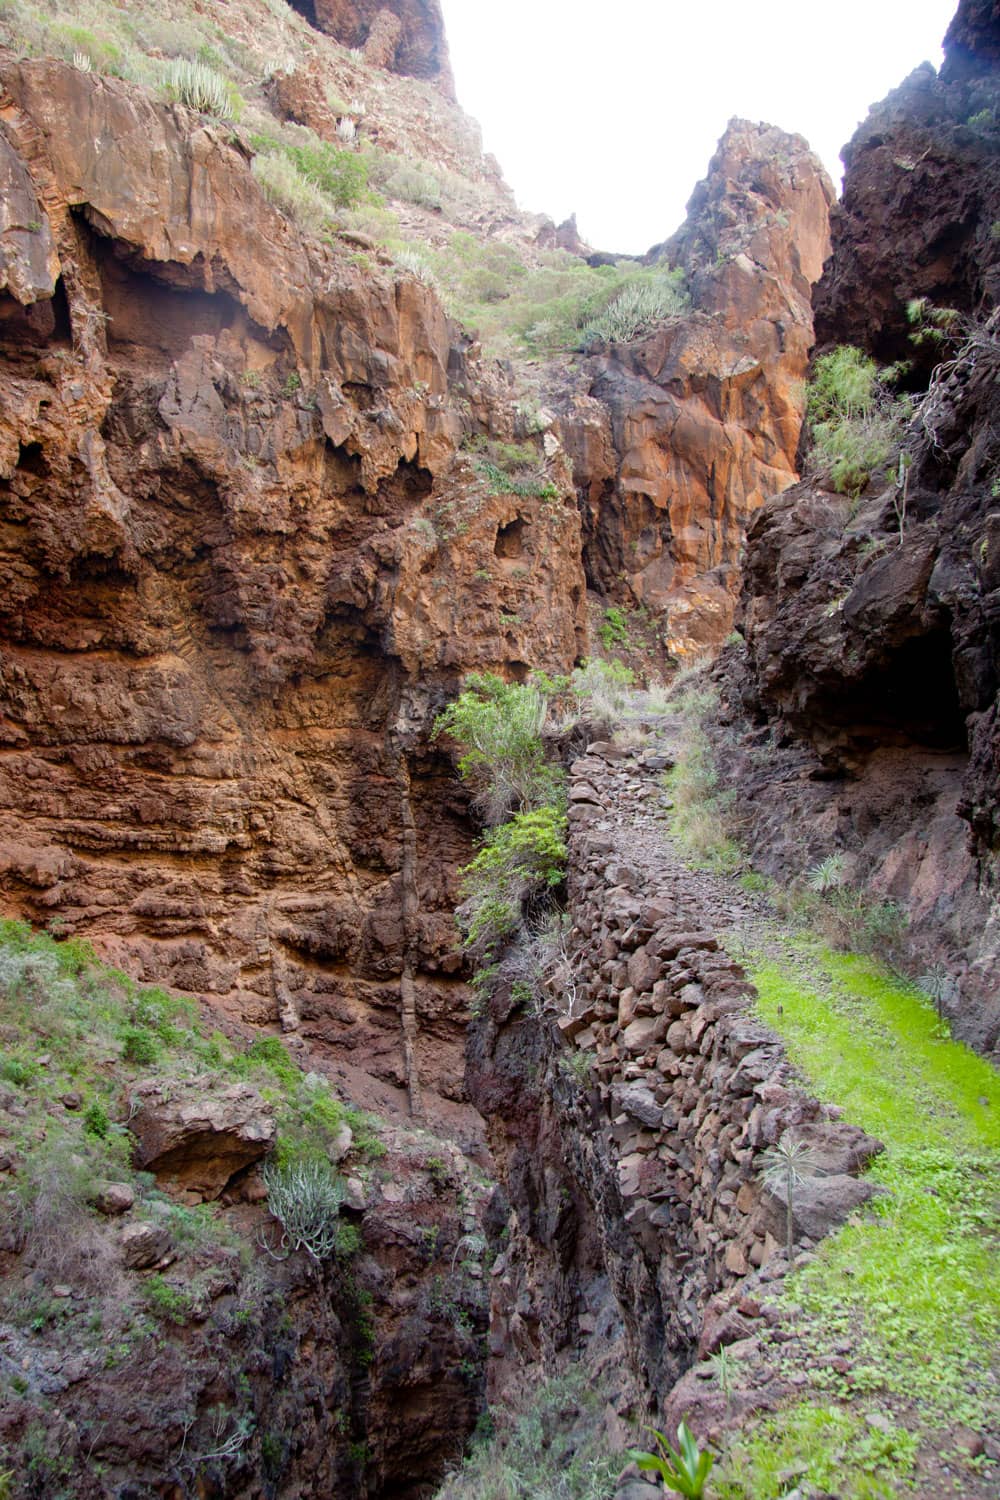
column 403, row 36
column 921, row 200
column 683, row 434
column 871, row 673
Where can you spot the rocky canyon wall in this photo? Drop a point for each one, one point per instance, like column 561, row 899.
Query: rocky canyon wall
column 243, row 560
column 870, row 676
column 246, row 558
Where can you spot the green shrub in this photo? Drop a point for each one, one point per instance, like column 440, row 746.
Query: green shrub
column 602, row 689
column 96, row 1121
column 310, row 180
column 139, row 1046
column 498, row 727
column 613, row 629
column 413, row 186
column 501, row 483
column 844, row 384
column 341, row 175
column 856, row 426
column 293, row 193
column 305, row 1197
column 165, row 1301
column 518, row 861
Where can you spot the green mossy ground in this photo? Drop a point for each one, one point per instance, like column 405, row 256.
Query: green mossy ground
column 912, row 1283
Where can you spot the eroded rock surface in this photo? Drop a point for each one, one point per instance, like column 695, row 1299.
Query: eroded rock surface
column 921, row 196
column 194, row 1138
column 243, row 562
column 683, row 434
column 403, row 36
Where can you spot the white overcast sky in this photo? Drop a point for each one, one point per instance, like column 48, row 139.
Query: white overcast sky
column 612, row 108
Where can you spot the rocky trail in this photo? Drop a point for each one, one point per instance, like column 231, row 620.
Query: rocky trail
column 775, row 1352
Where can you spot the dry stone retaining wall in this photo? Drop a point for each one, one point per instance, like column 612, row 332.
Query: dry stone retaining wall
column 629, row 1117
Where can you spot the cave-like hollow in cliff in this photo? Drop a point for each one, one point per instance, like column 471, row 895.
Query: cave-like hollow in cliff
column 305, row 8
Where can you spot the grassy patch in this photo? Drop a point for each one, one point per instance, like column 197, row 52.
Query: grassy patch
column 701, row 814
column 912, row 1283
column 75, row 1036
column 837, row 1449
column 550, row 1450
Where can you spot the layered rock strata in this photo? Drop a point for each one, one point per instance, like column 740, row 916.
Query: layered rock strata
column 243, row 559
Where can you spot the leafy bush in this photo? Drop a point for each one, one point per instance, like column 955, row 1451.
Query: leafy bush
column 856, row 425
column 413, row 186
column 517, row 861
column 613, row 629
column 305, row 1197
column 498, row 726
column 289, row 190
column 309, row 179
column 844, row 384
column 341, row 175
column 202, row 88
column 602, row 689
column 165, row 1301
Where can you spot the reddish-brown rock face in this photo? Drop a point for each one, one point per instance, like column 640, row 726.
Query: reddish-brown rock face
column 972, row 41
column 243, row 561
column 705, row 413
column 404, row 36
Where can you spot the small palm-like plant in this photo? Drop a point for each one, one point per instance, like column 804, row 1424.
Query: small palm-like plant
column 684, row 1469
column 722, row 1367
column 784, row 1168
column 939, row 986
column 827, row 875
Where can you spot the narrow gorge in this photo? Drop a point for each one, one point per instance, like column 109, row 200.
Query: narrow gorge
column 305, row 427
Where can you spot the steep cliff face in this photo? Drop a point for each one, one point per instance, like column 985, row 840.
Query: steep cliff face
column 871, row 630
column 243, row 559
column 921, row 198
column 701, row 418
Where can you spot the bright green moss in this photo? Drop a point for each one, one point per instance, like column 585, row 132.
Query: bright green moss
column 913, row 1281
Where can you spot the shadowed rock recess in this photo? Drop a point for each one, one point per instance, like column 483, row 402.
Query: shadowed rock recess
column 259, row 519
